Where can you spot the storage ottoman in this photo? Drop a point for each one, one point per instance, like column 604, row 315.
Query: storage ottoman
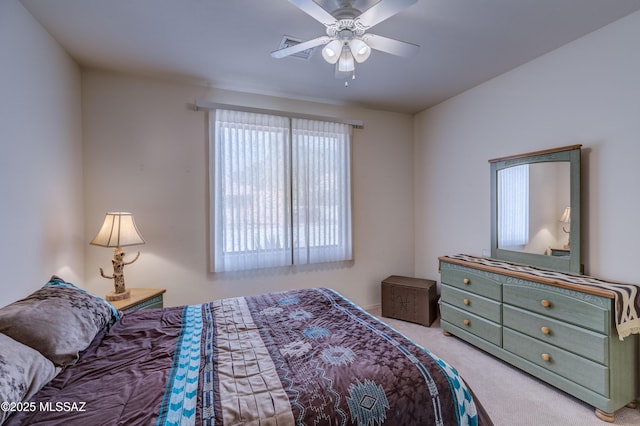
column 410, row 299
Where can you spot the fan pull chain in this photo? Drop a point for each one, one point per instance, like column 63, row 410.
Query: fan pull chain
column 353, row 77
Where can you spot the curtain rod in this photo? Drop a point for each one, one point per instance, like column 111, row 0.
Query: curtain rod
column 206, row 105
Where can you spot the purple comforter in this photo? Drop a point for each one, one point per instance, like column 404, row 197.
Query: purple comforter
column 302, row 357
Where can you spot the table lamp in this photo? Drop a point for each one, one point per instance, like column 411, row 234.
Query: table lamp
column 118, row 230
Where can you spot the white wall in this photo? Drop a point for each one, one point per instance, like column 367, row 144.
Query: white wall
column 41, row 212
column 586, row 92
column 146, row 152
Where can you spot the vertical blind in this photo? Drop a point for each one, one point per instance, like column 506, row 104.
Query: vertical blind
column 513, row 206
column 321, row 192
column 281, row 191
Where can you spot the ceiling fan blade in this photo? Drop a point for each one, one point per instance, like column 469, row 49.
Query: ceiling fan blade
column 382, row 10
column 312, row 9
column 389, row 45
column 281, row 53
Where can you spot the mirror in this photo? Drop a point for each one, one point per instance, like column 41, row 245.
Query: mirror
column 535, row 209
column 532, row 199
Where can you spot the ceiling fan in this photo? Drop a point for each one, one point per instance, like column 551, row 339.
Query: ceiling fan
column 347, row 40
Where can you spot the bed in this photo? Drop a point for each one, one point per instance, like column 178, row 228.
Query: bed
column 300, row 357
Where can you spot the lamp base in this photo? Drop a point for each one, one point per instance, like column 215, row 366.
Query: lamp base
column 113, row 296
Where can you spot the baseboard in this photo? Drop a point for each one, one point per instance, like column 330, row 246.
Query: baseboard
column 373, row 309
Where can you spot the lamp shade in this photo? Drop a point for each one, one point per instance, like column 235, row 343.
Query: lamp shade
column 331, row 52
column 345, row 63
column 118, row 230
column 360, row 50
column 566, row 215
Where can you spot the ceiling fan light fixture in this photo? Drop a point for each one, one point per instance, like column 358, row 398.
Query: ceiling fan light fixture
column 347, row 41
column 331, row 52
column 360, row 50
column 346, row 62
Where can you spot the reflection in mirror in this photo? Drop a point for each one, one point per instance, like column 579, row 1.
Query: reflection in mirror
column 530, row 194
column 532, row 199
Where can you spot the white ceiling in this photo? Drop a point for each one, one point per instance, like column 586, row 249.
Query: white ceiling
column 227, row 43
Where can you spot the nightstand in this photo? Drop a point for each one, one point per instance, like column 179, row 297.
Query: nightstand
column 141, row 298
column 565, row 252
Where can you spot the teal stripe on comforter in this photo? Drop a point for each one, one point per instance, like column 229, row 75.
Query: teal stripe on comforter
column 181, row 395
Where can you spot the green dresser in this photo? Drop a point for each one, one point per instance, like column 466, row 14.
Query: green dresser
column 564, row 335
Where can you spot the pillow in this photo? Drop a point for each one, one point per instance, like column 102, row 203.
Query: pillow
column 59, row 320
column 23, row 371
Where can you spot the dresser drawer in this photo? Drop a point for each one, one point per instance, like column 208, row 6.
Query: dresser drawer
column 573, row 367
column 479, row 282
column 577, row 340
column 474, row 324
column 592, row 312
column 471, row 302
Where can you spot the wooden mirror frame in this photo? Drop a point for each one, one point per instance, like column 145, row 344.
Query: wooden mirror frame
column 571, row 264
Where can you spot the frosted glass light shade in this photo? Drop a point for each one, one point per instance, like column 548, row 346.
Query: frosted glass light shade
column 346, row 63
column 118, row 230
column 331, row 52
column 360, row 50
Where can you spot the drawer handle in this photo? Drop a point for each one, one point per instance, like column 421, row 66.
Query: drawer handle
column 546, row 357
column 466, row 302
column 466, row 281
column 545, row 330
column 466, row 322
column 545, row 303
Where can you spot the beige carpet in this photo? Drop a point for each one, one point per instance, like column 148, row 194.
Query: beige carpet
column 511, row 397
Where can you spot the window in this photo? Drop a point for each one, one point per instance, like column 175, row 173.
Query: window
column 281, row 191
column 513, row 209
